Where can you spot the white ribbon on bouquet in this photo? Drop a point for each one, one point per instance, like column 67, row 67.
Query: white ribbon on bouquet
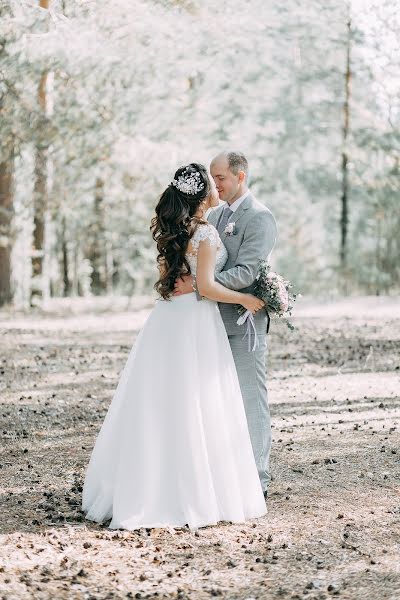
column 248, row 318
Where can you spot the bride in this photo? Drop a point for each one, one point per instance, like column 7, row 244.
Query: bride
column 174, row 448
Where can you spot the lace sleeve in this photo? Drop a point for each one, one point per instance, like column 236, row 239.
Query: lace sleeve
column 205, row 232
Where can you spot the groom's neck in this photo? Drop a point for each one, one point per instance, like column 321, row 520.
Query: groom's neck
column 243, row 190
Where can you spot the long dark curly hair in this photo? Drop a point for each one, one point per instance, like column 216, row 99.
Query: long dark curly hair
column 174, row 225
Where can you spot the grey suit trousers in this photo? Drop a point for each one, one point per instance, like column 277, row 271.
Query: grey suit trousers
column 251, row 369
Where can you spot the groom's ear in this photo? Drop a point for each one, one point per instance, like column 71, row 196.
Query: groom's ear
column 242, row 176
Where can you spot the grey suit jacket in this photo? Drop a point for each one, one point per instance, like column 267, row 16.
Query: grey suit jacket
column 253, row 240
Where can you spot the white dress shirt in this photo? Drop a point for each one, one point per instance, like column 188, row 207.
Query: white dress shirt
column 235, row 205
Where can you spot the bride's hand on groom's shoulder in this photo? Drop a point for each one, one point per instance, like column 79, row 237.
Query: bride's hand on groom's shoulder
column 183, row 285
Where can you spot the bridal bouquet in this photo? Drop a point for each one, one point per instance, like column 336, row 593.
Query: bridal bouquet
column 276, row 293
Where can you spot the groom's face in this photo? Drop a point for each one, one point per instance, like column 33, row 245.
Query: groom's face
column 228, row 184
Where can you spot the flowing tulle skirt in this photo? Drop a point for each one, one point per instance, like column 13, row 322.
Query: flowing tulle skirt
column 174, row 447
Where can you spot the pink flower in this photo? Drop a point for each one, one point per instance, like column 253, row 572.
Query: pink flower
column 272, row 276
column 283, row 296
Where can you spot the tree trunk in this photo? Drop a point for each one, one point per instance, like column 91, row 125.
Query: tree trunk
column 65, row 261
column 97, row 251
column 6, row 233
column 344, row 218
column 39, row 197
column 109, row 267
column 6, row 195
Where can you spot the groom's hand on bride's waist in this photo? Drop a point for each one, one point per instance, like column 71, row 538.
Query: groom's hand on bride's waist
column 183, row 285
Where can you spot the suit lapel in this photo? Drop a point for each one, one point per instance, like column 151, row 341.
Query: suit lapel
column 238, row 214
column 215, row 215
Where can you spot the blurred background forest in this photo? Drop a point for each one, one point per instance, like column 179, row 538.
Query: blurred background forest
column 101, row 101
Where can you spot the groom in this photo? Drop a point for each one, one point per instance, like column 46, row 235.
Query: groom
column 248, row 230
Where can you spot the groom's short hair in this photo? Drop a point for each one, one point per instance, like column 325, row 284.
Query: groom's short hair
column 237, row 162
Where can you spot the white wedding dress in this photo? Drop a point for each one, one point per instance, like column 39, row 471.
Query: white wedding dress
column 174, row 448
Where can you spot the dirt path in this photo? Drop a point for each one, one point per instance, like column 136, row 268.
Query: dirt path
column 333, row 527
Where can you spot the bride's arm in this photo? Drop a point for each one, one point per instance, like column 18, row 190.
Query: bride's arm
column 208, row 287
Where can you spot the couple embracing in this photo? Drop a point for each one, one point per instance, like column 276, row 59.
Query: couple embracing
column 187, row 436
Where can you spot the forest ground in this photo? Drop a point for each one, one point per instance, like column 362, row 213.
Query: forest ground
column 333, row 523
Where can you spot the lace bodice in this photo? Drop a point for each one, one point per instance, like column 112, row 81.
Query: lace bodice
column 209, row 233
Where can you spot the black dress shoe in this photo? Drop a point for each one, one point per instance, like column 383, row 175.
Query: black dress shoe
column 265, row 494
